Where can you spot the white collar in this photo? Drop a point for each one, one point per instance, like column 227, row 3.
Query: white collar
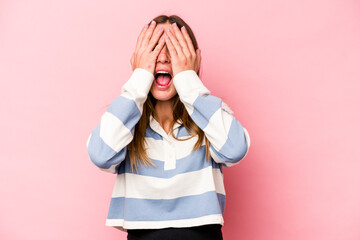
column 155, row 125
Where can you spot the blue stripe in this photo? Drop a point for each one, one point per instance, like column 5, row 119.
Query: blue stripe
column 126, row 110
column 182, row 132
column 101, row 154
column 167, row 209
column 193, row 162
column 217, row 165
column 221, row 199
column 235, row 146
column 204, row 108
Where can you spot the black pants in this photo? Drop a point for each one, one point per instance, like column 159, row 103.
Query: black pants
column 204, row 232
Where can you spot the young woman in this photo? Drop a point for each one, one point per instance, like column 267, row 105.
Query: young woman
column 167, row 139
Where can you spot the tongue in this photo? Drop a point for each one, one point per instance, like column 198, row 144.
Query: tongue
column 163, row 79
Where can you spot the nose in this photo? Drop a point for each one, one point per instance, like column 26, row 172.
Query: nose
column 164, row 55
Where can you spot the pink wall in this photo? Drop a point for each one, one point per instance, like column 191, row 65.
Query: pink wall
column 295, row 69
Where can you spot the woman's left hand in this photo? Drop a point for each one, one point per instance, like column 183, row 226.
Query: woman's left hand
column 182, row 52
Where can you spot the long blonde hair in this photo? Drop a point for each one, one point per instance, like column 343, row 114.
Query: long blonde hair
column 137, row 145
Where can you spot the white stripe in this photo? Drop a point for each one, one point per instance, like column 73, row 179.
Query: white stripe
column 113, row 132
column 247, row 136
column 209, row 219
column 219, row 181
column 138, row 87
column 182, row 148
column 218, row 128
column 88, row 140
column 185, row 184
column 189, row 86
column 188, row 103
column 154, row 148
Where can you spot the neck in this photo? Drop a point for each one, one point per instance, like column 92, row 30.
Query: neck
column 164, row 113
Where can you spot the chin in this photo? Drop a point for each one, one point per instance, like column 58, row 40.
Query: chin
column 163, row 97
column 166, row 95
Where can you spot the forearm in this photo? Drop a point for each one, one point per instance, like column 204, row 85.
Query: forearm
column 229, row 140
column 107, row 143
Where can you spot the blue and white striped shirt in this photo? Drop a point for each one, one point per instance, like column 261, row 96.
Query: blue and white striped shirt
column 183, row 190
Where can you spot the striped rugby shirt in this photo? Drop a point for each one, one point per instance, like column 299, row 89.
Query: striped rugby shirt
column 183, row 190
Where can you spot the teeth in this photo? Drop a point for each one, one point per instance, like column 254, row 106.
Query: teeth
column 162, row 72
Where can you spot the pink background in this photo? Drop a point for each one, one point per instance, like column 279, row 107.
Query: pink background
column 290, row 71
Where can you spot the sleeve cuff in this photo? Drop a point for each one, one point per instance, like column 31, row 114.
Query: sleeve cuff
column 140, row 82
column 188, row 82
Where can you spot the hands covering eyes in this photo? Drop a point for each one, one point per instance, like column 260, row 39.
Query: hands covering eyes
column 144, row 55
column 183, row 55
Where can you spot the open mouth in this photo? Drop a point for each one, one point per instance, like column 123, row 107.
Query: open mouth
column 162, row 78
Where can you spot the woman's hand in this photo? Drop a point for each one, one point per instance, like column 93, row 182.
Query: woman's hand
column 145, row 55
column 182, row 52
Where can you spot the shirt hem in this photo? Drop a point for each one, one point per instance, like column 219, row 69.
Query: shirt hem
column 123, row 225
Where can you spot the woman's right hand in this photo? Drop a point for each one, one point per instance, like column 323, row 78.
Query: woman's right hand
column 145, row 55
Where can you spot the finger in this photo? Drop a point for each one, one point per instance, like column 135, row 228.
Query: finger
column 175, row 43
column 148, row 34
column 160, row 46
column 140, row 38
column 198, row 58
column 132, row 59
column 181, row 41
column 170, row 47
column 188, row 40
column 155, row 39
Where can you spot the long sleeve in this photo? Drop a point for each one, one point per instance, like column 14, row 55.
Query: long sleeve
column 229, row 140
column 107, row 143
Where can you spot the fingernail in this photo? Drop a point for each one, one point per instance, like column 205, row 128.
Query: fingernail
column 168, row 30
column 183, row 27
column 174, row 24
column 152, row 22
column 160, row 28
